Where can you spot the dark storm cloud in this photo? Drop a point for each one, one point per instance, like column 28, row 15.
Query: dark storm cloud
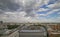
column 8, row 5
column 1, row 11
column 29, row 6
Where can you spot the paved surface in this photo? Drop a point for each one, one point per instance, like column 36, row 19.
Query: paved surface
column 31, row 35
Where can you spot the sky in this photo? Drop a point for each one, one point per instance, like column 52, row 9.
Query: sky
column 30, row 11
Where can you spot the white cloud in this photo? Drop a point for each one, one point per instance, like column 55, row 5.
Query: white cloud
column 53, row 11
column 56, row 5
column 17, row 17
column 46, row 1
column 42, row 9
column 26, row 8
column 58, row 13
column 50, row 12
column 51, row 20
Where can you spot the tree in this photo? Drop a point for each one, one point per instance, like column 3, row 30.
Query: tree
column 1, row 22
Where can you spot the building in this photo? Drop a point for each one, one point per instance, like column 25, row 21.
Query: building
column 10, row 33
column 54, row 30
column 5, row 32
column 32, row 31
column 3, row 27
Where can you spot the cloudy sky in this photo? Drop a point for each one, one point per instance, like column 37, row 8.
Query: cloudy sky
column 30, row 10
